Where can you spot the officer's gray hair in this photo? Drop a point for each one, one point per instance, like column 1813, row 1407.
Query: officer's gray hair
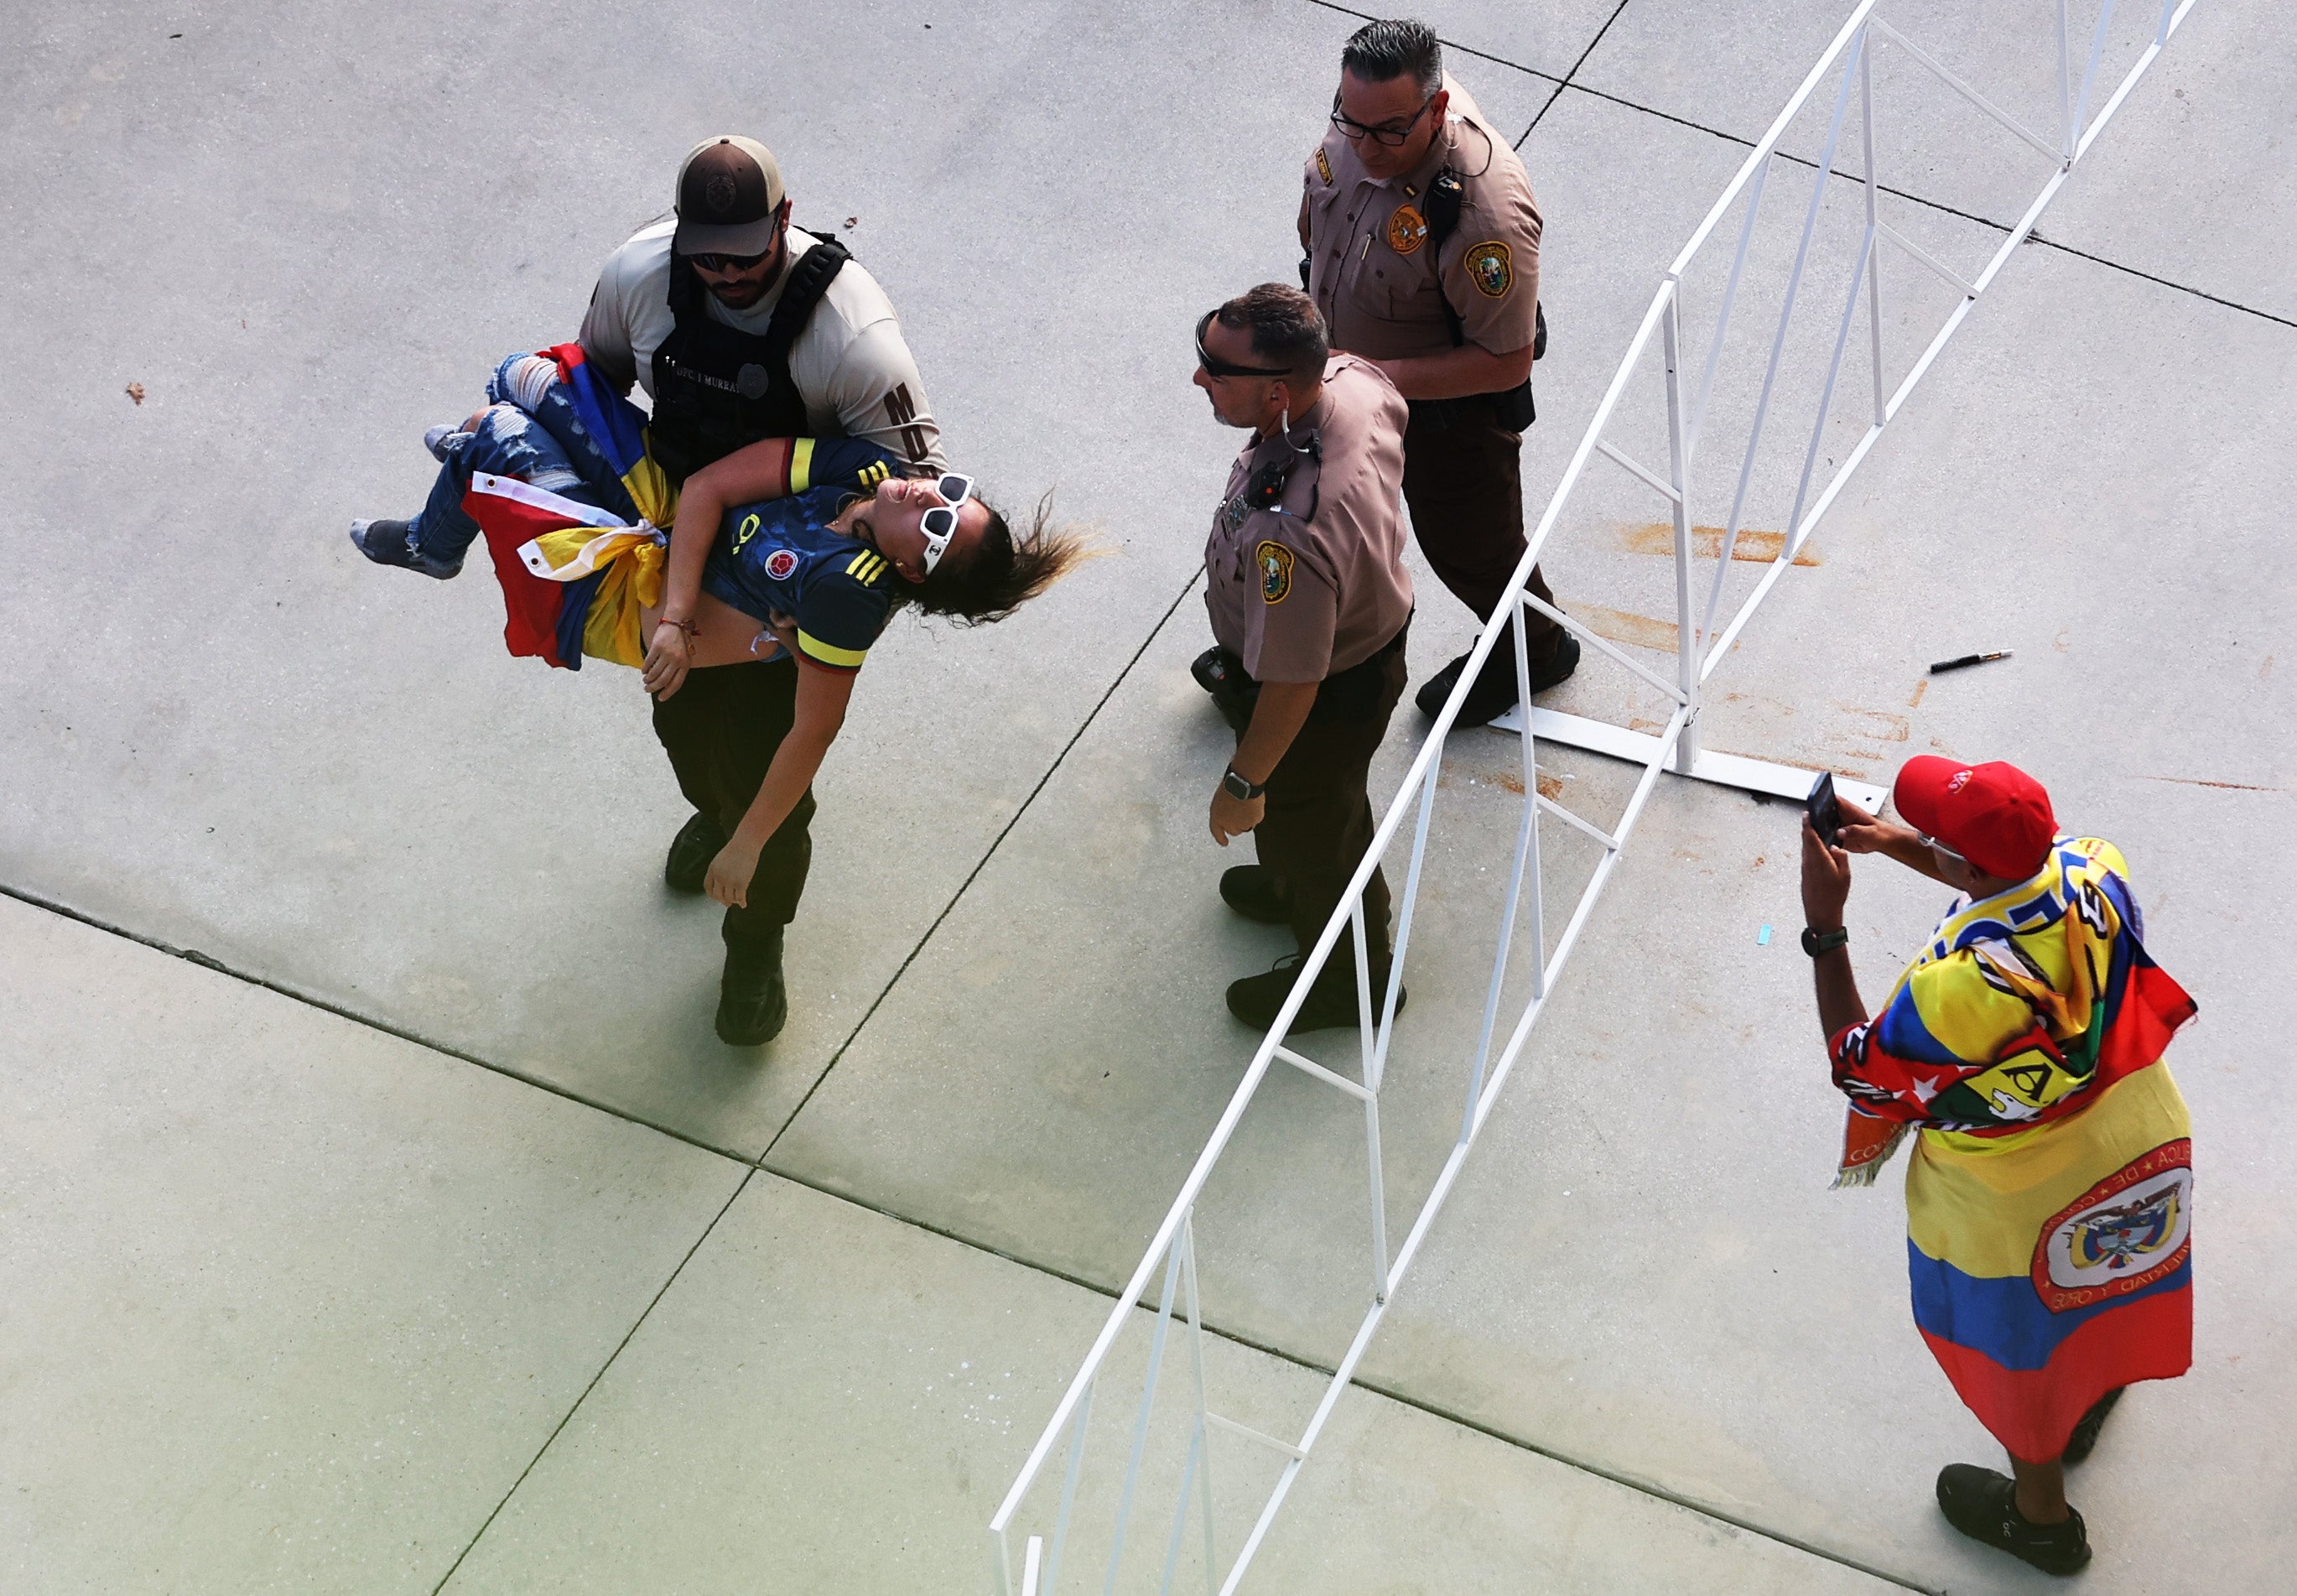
column 1377, row 52
column 1287, row 328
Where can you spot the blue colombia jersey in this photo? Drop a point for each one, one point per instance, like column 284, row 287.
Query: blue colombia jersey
column 779, row 553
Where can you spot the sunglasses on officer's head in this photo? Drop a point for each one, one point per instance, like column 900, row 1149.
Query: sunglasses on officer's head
column 723, row 264
column 1216, row 367
column 939, row 524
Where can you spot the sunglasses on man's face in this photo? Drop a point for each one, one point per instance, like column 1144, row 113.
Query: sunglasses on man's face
column 1935, row 846
column 1216, row 367
column 1356, row 132
column 725, row 265
column 939, row 524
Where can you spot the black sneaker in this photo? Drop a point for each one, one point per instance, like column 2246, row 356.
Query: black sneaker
column 2084, row 1440
column 1984, row 1506
column 752, row 1001
column 1256, row 893
column 1493, row 694
column 697, row 843
column 1331, row 1001
column 392, row 543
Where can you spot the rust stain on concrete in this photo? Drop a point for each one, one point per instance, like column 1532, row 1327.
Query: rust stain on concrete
column 1625, row 625
column 1550, row 787
column 2229, row 787
column 1658, row 537
column 1876, row 726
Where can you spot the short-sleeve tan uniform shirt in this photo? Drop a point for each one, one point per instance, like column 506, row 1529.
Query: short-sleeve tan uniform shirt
column 1314, row 583
column 1381, row 289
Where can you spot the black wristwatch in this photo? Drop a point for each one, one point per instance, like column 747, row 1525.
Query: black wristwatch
column 1236, row 787
column 1816, row 942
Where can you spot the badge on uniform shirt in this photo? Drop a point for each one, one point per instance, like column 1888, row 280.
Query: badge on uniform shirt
column 1324, row 164
column 1275, row 562
column 1407, row 230
column 779, row 565
column 1490, row 270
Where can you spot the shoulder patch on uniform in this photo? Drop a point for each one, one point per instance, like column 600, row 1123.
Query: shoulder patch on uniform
column 1324, row 164
column 1407, row 230
column 1491, row 268
column 1275, row 562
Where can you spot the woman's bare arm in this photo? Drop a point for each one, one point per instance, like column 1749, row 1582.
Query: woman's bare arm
column 755, row 472
column 822, row 697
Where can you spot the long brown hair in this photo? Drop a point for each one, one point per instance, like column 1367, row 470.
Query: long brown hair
column 1004, row 569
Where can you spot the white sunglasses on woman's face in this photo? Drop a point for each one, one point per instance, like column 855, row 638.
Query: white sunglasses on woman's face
column 939, row 524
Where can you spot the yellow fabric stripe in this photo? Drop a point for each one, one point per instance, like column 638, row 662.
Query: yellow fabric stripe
column 1979, row 1201
column 830, row 653
column 855, row 564
column 876, row 565
column 801, row 472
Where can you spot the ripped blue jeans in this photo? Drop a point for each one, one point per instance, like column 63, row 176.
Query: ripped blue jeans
column 530, row 430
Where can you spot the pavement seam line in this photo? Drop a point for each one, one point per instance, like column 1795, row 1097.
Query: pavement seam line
column 980, row 864
column 208, row 961
column 1570, row 75
column 758, row 1166
column 739, row 1188
column 1501, row 60
column 1402, row 1399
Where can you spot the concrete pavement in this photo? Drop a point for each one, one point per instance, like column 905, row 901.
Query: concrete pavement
column 264, row 1255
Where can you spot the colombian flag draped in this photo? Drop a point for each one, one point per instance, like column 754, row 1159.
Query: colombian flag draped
column 2049, row 1197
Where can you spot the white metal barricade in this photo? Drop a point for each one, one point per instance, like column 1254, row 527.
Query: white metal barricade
column 1189, row 1536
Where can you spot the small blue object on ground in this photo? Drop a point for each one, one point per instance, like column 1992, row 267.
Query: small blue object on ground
column 1763, row 937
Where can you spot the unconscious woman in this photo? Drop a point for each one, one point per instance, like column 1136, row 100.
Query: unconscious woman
column 749, row 619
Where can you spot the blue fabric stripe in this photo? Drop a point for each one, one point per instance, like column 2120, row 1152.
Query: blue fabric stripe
column 2002, row 1316
column 573, row 614
column 615, row 424
column 1903, row 1034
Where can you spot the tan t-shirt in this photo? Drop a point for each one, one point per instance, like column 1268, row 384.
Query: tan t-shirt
column 1371, row 271
column 849, row 362
column 1316, row 582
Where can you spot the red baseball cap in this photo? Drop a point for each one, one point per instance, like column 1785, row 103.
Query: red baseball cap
column 1994, row 815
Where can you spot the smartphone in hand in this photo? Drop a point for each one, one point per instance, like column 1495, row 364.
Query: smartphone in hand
column 1824, row 809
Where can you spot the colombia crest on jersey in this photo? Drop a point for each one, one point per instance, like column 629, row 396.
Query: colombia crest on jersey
column 780, row 554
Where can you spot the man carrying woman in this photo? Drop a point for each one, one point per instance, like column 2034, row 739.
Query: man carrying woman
column 749, row 619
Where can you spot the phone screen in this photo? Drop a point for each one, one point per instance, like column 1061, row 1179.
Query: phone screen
column 1825, row 813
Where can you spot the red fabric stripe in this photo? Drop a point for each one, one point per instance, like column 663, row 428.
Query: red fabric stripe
column 2032, row 1411
column 529, row 605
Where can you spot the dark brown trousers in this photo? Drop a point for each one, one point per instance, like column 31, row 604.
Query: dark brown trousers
column 720, row 729
column 1463, row 481
column 1319, row 821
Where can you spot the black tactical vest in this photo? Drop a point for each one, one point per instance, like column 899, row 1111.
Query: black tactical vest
column 717, row 388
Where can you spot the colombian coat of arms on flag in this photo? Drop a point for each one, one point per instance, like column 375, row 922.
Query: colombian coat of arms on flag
column 2050, row 1191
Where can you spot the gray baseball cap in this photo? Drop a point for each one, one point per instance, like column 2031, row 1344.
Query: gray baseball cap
column 729, row 191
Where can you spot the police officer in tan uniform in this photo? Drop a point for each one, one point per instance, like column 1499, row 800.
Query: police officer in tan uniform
column 1309, row 603
column 1422, row 242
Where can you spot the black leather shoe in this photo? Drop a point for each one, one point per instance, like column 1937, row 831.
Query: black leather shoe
column 1331, row 1001
column 752, row 1001
column 2084, row 1440
column 1493, row 694
column 1257, row 893
column 697, row 843
column 1984, row 1506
